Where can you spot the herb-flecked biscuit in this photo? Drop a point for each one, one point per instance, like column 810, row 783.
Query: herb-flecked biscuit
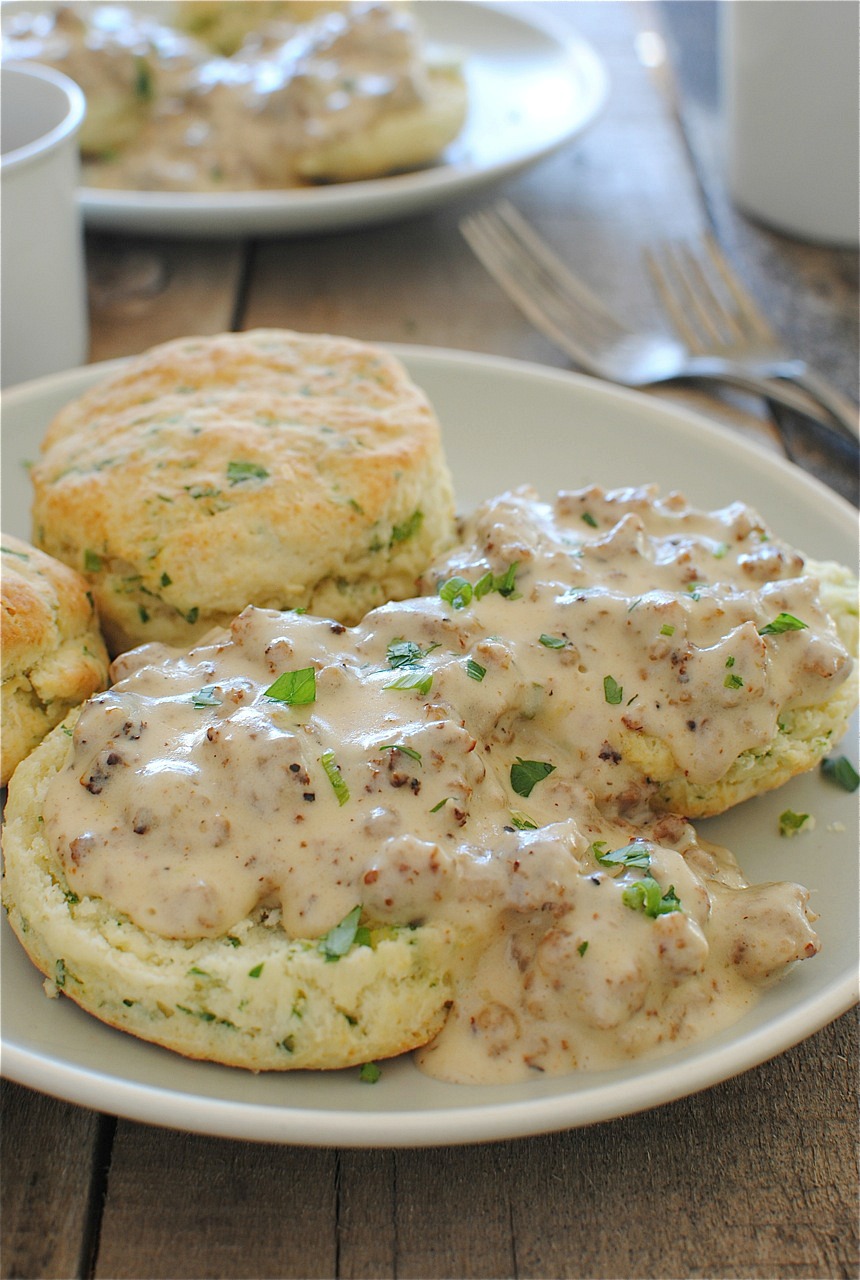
column 252, row 998
column 53, row 653
column 273, row 468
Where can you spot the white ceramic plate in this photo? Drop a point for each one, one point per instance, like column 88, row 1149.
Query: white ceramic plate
column 505, row 423
column 533, row 85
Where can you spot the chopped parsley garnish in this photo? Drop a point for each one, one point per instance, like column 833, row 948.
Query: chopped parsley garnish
column 205, row 697
column 409, row 527
column 646, row 895
column 296, row 688
column 522, row 821
column 166, row 579
column 582, row 948
column 406, row 751
column 440, row 805
column 416, row 679
column 733, row 681
column 551, row 642
column 192, row 615
column 404, row 653
column 841, row 771
column 635, row 854
column 92, row 561
column 237, row 472
column 503, row 583
column 612, row 691
column 369, row 1072
column 667, row 629
column 338, row 940
column 526, row 774
column 457, row 592
column 256, row 971
column 589, row 519
column 474, row 670
column 144, row 88
column 730, row 662
column 782, row 622
column 335, row 777
column 790, row 822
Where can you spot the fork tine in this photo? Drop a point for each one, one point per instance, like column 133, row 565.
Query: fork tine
column 748, row 314
column 696, row 310
column 537, row 280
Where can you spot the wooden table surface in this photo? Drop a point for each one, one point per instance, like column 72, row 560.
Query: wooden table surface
column 754, row 1177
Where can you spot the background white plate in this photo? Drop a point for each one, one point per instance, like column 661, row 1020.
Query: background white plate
column 531, row 88
column 505, row 423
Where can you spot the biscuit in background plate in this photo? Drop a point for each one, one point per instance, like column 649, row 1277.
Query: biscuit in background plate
column 54, row 656
column 273, row 468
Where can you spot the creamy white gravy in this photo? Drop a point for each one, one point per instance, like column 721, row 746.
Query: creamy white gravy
column 168, row 115
column 462, row 760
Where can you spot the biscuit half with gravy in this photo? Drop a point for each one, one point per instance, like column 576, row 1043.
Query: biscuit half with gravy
column 286, row 470
column 54, row 656
column 252, row 998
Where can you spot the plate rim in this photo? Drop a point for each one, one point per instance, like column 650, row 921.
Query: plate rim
column 340, row 205
column 659, row 1082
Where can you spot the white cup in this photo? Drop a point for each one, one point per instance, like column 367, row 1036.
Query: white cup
column 791, row 99
column 43, row 303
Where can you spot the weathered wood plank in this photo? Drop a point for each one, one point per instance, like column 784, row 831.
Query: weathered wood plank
column 51, row 1155
column 145, row 291
column 180, row 1205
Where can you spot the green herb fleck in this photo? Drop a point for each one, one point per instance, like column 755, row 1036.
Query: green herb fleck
column 296, row 688
column 369, row 1073
column 790, row 823
column 457, row 592
column 205, row 697
column 238, row 472
column 551, row 642
column 406, row 751
column 841, row 771
column 474, row 670
column 335, row 777
column 647, row 896
column 667, row 629
column 635, row 854
column 589, row 519
column 400, row 532
column 416, row 679
column 256, row 971
column 733, row 681
column 582, row 948
column 92, row 561
column 338, row 940
column 440, row 805
column 526, row 774
column 612, row 691
column 522, row 821
column 782, row 622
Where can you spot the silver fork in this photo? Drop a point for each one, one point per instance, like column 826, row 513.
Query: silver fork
column 566, row 311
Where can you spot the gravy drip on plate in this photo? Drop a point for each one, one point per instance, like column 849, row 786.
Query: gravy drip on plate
column 457, row 763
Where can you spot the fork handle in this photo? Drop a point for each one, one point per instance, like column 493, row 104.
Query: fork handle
column 771, row 383
column 837, row 405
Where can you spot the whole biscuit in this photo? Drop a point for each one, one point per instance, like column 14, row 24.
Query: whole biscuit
column 272, row 468
column 53, row 653
column 254, row 998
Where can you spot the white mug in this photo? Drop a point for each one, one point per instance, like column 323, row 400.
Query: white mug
column 43, row 301
column 791, row 98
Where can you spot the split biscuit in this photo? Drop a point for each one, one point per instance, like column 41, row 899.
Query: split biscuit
column 285, row 470
column 253, row 998
column 53, row 653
